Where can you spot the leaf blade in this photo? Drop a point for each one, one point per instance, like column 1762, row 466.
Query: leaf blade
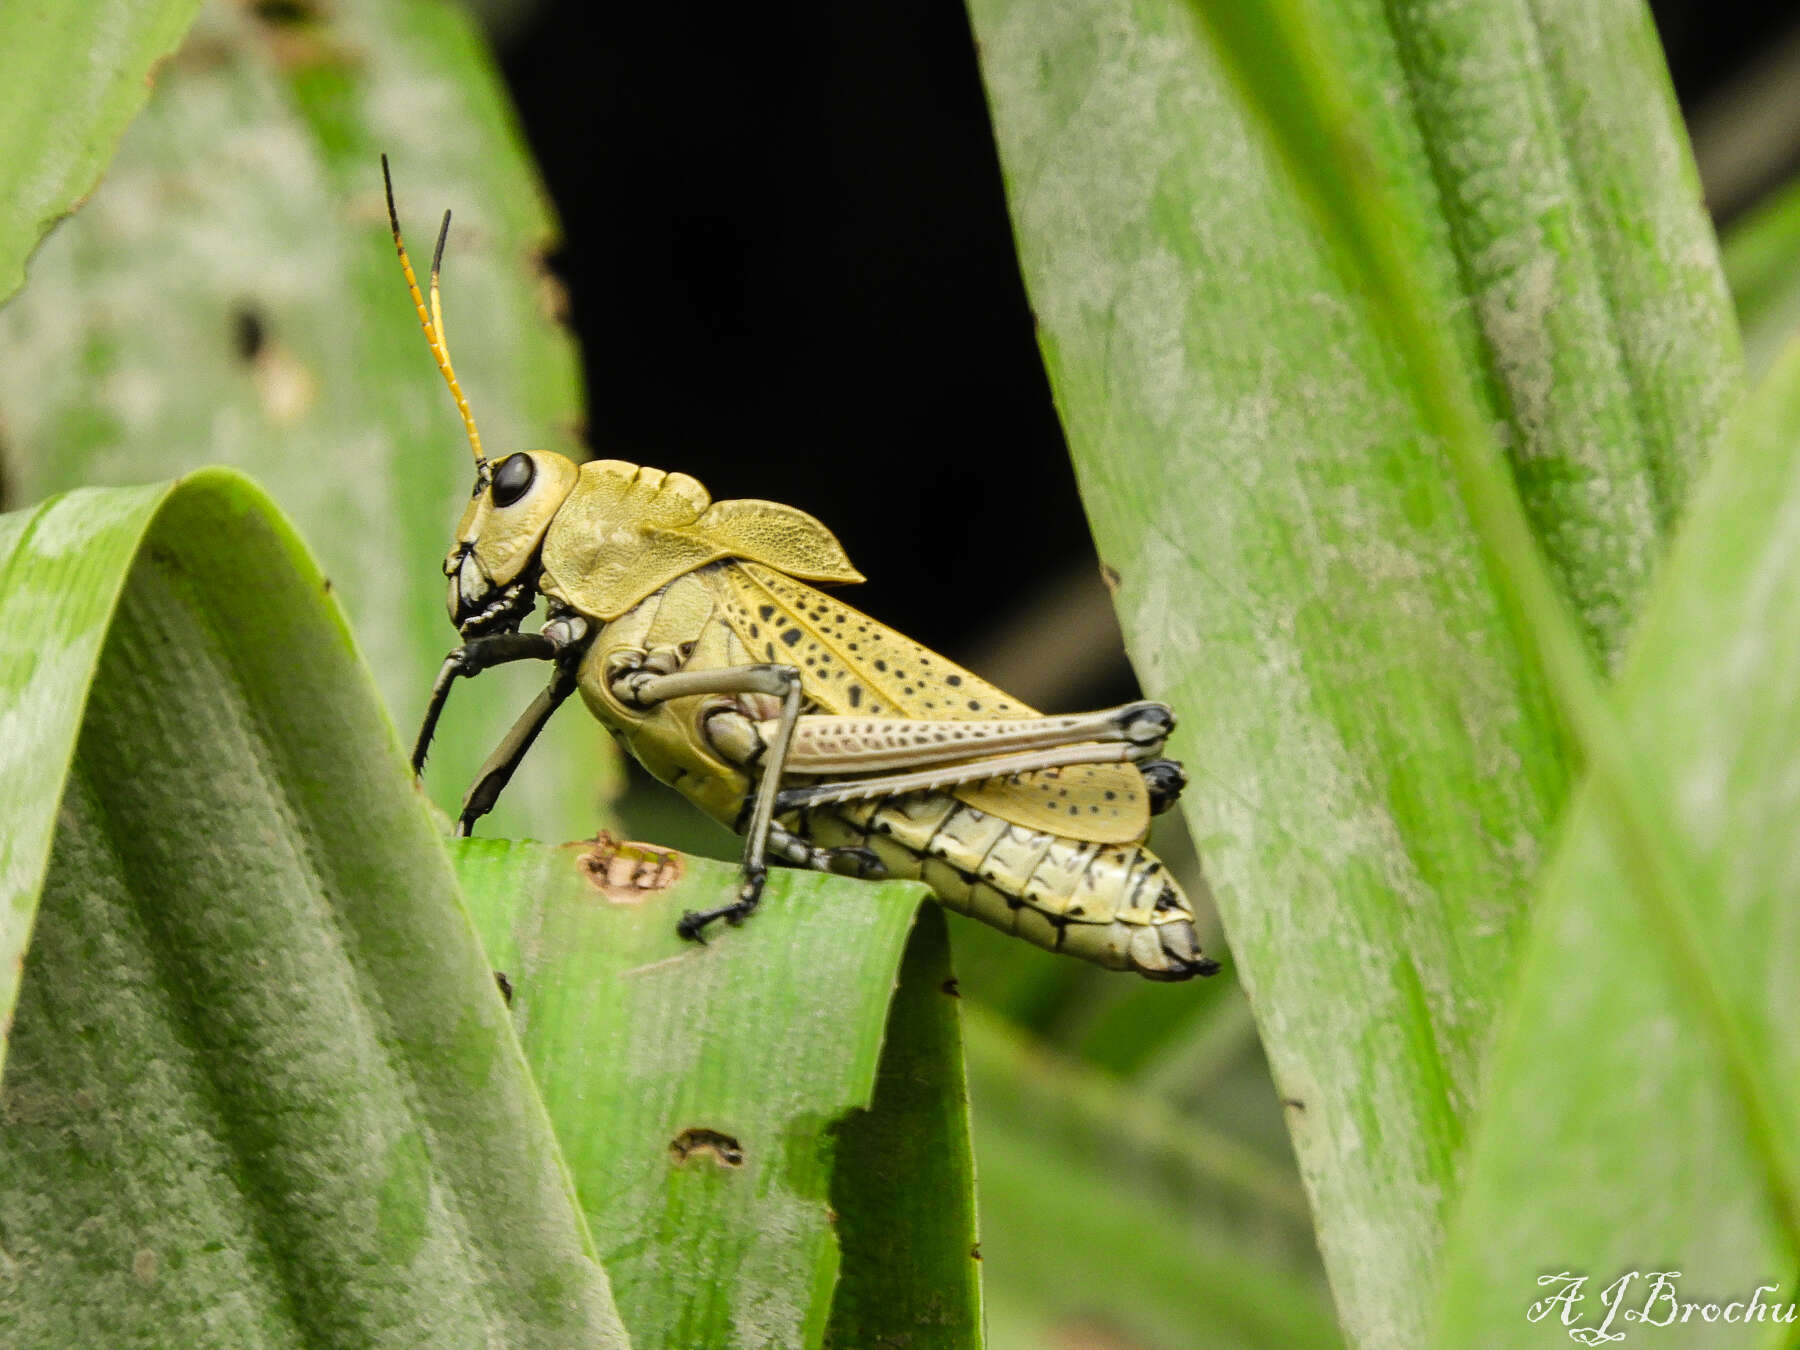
column 256, row 1028
column 704, row 1165
column 1262, row 433
column 1706, row 701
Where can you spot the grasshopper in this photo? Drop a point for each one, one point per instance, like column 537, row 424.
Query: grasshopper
column 826, row 739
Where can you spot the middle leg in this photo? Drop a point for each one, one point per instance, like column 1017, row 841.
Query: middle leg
column 504, row 762
column 645, row 688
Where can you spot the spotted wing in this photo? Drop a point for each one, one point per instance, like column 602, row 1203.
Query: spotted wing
column 853, row 665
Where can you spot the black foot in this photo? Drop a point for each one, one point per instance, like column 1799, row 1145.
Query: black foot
column 1164, row 779
column 692, row 924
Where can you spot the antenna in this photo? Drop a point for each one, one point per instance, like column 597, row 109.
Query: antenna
column 433, row 321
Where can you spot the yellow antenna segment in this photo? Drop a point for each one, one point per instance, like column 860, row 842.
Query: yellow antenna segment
column 433, row 321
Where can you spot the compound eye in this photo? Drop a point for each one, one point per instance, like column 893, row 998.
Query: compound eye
column 512, row 478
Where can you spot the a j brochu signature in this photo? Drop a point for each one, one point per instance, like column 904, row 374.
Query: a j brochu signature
column 1658, row 1304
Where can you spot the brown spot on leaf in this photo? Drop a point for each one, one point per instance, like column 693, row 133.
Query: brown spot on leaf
column 951, row 988
column 698, row 1141
column 1110, row 578
column 626, row 872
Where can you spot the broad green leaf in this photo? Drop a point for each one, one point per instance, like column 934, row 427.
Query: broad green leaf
column 1265, row 451
column 260, row 1089
column 1109, row 1219
column 714, row 1101
column 230, row 295
column 1762, row 262
column 1617, row 1136
column 74, row 71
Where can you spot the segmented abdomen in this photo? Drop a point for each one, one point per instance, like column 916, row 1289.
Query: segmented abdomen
column 1085, row 899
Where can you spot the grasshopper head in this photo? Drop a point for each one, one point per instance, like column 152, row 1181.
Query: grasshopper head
column 492, row 567
column 493, row 564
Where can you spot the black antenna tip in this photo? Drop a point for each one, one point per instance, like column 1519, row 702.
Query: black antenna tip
column 387, row 181
column 437, row 256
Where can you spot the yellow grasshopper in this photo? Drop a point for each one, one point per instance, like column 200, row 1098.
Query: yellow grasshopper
column 825, row 738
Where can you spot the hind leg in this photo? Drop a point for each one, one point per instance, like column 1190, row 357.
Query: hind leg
column 850, row 861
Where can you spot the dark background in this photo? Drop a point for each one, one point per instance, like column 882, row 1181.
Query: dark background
column 791, row 269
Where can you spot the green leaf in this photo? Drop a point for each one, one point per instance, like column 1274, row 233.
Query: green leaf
column 1282, row 371
column 259, row 1086
column 230, row 295
column 1620, row 1131
column 714, row 1101
column 1762, row 262
column 74, row 71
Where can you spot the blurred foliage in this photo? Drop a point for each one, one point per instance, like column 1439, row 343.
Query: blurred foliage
column 74, row 76
column 1762, row 263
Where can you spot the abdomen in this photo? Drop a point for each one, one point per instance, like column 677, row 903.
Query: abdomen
column 1112, row 904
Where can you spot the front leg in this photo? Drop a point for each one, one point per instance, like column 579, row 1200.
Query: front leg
column 645, row 688
column 473, row 657
column 563, row 640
